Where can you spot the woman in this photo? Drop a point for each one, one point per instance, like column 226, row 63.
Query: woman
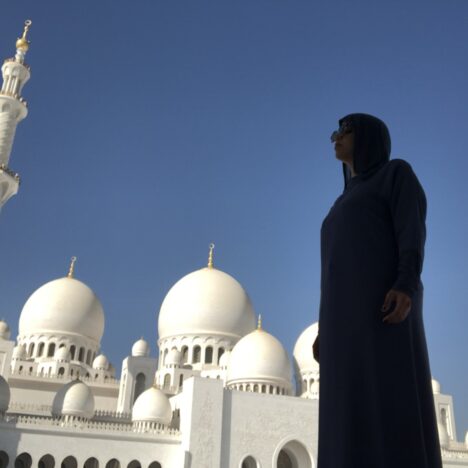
column 376, row 403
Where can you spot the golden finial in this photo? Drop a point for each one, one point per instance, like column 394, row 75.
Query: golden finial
column 259, row 322
column 210, row 256
column 71, row 270
column 22, row 42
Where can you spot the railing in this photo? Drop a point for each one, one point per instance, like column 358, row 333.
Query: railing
column 457, row 450
column 34, row 375
column 7, row 170
column 72, row 422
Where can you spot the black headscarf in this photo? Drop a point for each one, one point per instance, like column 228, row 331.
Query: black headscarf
column 372, row 145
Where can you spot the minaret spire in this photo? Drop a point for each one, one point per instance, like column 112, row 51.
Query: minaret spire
column 71, row 270
column 13, row 109
column 210, row 256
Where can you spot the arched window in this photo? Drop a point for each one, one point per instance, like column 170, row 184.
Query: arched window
column 196, row 354
column 167, row 381
column 140, row 385
column 284, row 460
column 31, row 349
column 114, row 463
column 4, row 459
column 51, row 350
column 443, row 418
column 88, row 357
column 220, row 353
column 249, row 462
column 72, row 351
column 209, row 355
column 255, row 389
column 263, row 388
column 293, row 455
column 81, row 354
column 154, row 464
column 91, row 463
column 40, row 349
column 165, row 355
column 69, row 462
column 61, row 371
column 23, row 461
column 181, row 380
column 134, row 464
column 185, row 354
column 47, row 461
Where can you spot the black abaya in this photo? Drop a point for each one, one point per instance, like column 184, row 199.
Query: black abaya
column 376, row 408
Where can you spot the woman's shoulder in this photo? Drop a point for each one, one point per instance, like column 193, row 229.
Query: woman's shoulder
column 398, row 168
column 399, row 175
column 399, row 165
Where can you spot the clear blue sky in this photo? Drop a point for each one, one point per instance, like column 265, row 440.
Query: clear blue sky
column 157, row 127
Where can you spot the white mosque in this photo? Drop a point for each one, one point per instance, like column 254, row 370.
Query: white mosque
column 219, row 393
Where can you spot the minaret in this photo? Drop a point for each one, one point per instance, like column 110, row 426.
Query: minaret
column 13, row 109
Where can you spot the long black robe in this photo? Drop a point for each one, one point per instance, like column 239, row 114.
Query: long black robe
column 376, row 407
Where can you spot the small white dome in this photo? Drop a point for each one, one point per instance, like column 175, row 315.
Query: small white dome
column 206, row 301
column 19, row 352
column 259, row 356
column 435, row 386
column 64, row 305
column 443, row 435
column 173, row 358
column 303, row 354
column 152, row 406
column 4, row 395
column 4, row 330
column 224, row 359
column 140, row 348
column 101, row 362
column 74, row 399
column 62, row 354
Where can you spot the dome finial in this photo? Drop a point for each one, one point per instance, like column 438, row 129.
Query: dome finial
column 23, row 43
column 71, row 270
column 210, row 256
column 259, row 322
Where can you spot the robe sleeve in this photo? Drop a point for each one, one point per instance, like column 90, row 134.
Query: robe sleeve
column 408, row 207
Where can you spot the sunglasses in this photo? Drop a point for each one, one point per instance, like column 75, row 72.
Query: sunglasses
column 344, row 129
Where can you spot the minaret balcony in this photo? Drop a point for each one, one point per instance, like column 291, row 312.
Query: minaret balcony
column 9, row 183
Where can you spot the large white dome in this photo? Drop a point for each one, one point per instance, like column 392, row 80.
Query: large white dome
column 259, row 356
column 152, row 406
column 64, row 305
column 207, row 301
column 303, row 354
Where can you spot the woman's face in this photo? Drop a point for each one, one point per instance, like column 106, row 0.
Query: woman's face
column 344, row 146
